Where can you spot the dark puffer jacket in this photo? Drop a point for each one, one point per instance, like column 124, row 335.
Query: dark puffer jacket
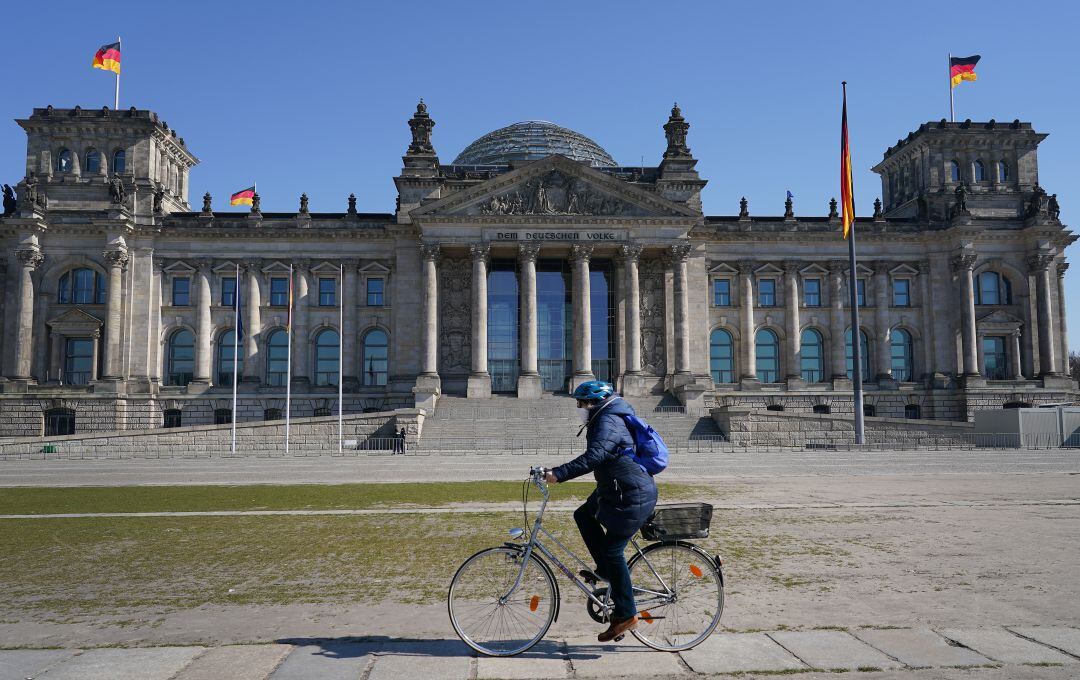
column 626, row 493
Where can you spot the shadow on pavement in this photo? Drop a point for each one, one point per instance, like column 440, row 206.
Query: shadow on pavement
column 382, row 645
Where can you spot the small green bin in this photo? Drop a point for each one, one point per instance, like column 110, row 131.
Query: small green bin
column 48, row 448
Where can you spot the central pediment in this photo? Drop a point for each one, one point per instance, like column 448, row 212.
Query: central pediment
column 554, row 187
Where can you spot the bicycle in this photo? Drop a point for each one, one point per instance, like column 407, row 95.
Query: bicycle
column 503, row 600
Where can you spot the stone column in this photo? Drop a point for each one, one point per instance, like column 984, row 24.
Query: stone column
column 301, row 365
column 794, row 341
column 114, row 312
column 252, row 299
column 429, row 365
column 679, row 254
column 926, row 317
column 837, row 321
column 1015, row 372
column 1062, row 267
column 479, row 386
column 203, row 341
column 1040, row 266
column 633, row 380
column 29, row 260
column 881, row 320
column 350, row 343
column 580, row 255
column 529, row 383
column 748, row 375
column 962, row 265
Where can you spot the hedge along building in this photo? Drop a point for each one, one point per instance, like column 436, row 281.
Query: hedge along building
column 530, row 263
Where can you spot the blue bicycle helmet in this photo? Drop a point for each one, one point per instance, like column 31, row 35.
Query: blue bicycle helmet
column 593, row 390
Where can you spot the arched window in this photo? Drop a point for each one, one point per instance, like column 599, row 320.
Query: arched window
column 226, row 352
column 81, row 286
column 59, row 422
column 174, row 417
column 722, row 356
column 901, row 347
column 812, row 364
column 864, row 352
column 277, row 358
column 978, row 171
column 954, row 171
column 63, row 161
column 326, row 358
column 181, row 356
column 912, row 412
column 375, row 357
column 993, row 289
column 93, row 161
column 119, row 161
column 767, row 350
column 1002, row 171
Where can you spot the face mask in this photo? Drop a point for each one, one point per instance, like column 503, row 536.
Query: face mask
column 583, row 414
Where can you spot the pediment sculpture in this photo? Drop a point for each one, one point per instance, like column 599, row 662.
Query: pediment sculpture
column 556, row 193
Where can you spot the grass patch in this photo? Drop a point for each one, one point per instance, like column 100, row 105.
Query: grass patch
column 56, row 500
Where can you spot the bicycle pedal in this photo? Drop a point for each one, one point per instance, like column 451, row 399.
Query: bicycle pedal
column 619, row 638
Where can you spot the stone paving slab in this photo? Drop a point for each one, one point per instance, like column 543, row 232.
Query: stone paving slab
column 426, row 659
column 739, row 653
column 1064, row 638
column 1001, row 645
column 326, row 661
column 19, row 664
column 150, row 663
column 827, row 649
column 545, row 661
column 236, row 662
column 919, row 647
column 629, row 657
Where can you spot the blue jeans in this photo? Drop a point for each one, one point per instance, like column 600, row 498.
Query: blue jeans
column 608, row 550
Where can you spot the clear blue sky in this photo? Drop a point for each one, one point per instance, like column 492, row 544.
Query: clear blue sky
column 315, row 96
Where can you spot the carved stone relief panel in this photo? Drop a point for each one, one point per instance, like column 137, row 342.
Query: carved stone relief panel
column 652, row 316
column 455, row 315
column 556, row 193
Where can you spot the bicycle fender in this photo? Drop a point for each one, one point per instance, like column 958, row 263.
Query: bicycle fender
column 714, row 559
column 558, row 594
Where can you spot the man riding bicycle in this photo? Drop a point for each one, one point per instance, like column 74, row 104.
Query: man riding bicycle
column 624, row 498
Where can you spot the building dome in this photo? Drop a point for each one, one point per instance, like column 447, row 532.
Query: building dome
column 531, row 140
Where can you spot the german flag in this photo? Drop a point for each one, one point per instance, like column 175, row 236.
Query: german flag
column 243, row 197
column 962, row 68
column 847, row 186
column 108, row 58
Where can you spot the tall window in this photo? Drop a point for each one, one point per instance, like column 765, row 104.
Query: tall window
column 59, row 422
column 93, row 161
column 996, row 361
column 722, row 356
column 812, row 292
column 767, row 348
column 63, row 161
column 228, row 291
column 375, row 357
column 812, row 364
column 860, row 292
column 78, row 361
column 993, row 289
column 181, row 291
column 279, row 292
column 766, row 292
column 900, row 345
column 181, row 355
column 1002, row 171
column 978, row 171
column 722, row 292
column 81, row 287
column 119, row 161
column 277, row 358
column 226, row 351
column 954, row 171
column 375, row 292
column 326, row 358
column 901, row 292
column 327, row 292
column 864, row 354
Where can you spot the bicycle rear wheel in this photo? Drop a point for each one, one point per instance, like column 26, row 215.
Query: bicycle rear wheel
column 491, row 619
column 684, row 598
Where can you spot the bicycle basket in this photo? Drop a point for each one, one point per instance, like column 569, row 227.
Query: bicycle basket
column 678, row 521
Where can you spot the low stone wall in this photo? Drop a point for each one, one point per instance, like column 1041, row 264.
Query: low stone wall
column 306, row 436
column 750, row 427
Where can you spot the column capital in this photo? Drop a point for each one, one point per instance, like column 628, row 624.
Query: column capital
column 1040, row 262
column 252, row 265
column 430, row 251
column 30, row 258
column 116, row 258
column 746, row 267
column 679, row 252
column 1062, row 267
column 881, row 267
column 838, row 267
column 528, row 252
column 579, row 253
column 632, row 251
column 963, row 262
column 479, row 251
column 203, row 264
column 791, row 267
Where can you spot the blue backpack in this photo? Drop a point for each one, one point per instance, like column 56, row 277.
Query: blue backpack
column 649, row 452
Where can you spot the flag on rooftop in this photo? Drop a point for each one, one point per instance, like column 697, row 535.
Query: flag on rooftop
column 107, row 58
column 962, row 68
column 243, row 197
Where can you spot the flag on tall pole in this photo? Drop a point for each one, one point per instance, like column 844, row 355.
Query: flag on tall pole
column 107, row 58
column 960, row 69
column 288, row 361
column 847, row 195
column 238, row 330
column 243, row 197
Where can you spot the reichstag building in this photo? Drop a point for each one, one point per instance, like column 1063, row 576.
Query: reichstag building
column 529, row 263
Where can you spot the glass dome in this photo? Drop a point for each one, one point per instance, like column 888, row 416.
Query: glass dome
column 531, row 140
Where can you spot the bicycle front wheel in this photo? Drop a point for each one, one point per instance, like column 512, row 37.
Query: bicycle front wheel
column 490, row 618
column 679, row 593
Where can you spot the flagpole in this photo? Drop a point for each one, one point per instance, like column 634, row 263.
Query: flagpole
column 236, row 351
column 116, row 99
column 853, row 289
column 952, row 114
column 340, row 354
column 288, row 364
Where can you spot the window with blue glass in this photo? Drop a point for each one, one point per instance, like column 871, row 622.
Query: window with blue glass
column 63, row 161
column 554, row 323
column 277, row 358
column 995, row 358
column 812, row 292
column 954, row 171
column 327, row 292
column 93, row 161
column 81, row 286
column 602, row 309
column 812, row 356
column 228, row 351
column 901, row 292
column 78, row 361
column 864, row 354
column 181, row 291
column 503, row 343
column 860, row 292
column 901, row 349
column 767, row 351
column 766, row 292
column 722, row 356
column 722, row 292
column 327, row 346
column 993, row 289
column 181, row 358
column 375, row 292
column 376, row 363
column 120, row 161
column 279, row 292
column 228, row 291
column 978, row 171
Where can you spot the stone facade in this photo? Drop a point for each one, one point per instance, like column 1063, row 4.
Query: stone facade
column 523, row 277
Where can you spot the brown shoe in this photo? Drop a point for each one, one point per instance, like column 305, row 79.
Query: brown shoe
column 618, row 628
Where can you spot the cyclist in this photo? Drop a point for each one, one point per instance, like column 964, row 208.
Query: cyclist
column 622, row 502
